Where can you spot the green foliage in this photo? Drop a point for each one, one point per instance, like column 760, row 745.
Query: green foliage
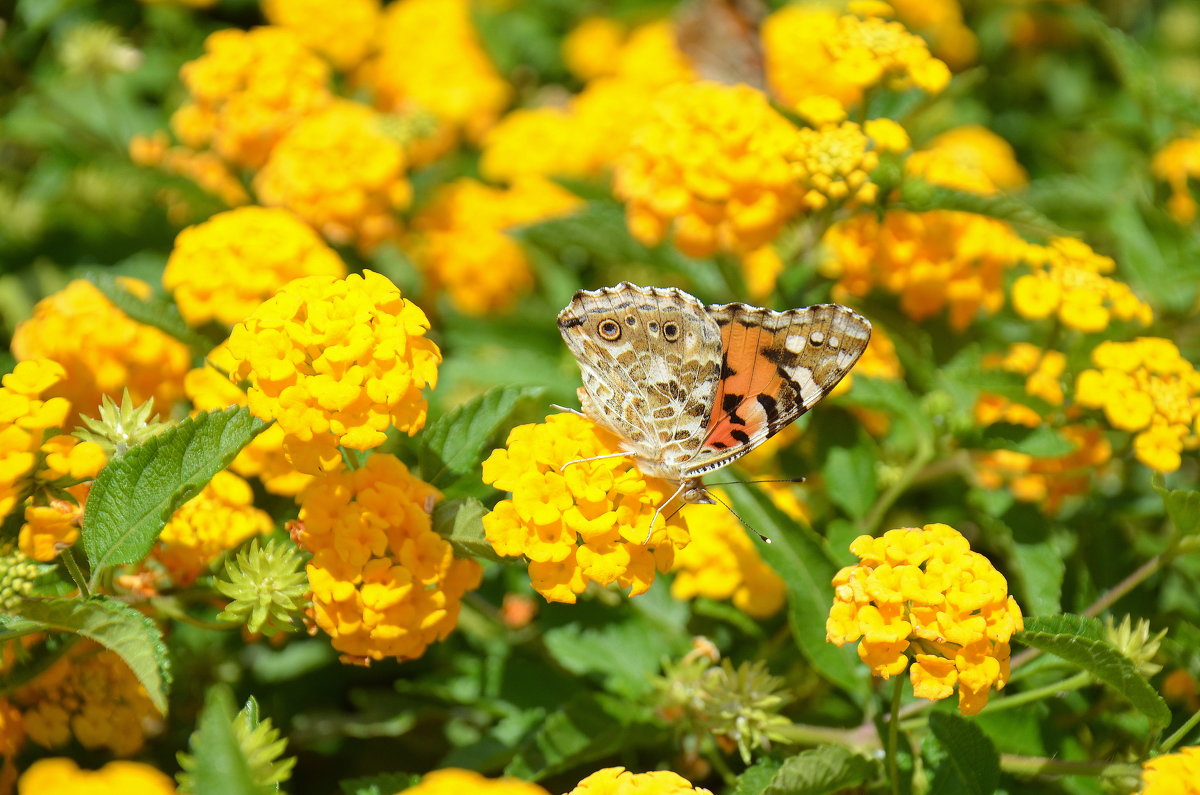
column 453, row 445
column 383, row 784
column 156, row 311
column 114, row 625
column 586, row 728
column 960, row 757
column 460, row 522
column 822, row 770
column 139, row 490
column 218, row 761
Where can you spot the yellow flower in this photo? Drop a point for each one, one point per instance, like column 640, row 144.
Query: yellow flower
column 1043, row 370
column 833, row 164
column 815, row 52
column 206, row 169
column 941, row 22
column 1048, row 481
column 12, row 730
column 582, row 524
column 1173, row 774
column 651, row 56
column 923, row 592
column 56, row 524
column 210, row 389
column 225, row 267
column 336, row 361
column 90, row 694
column 1176, row 164
column 453, row 781
column 1146, row 387
column 384, row 584
column 1067, row 281
column 619, row 781
column 932, row 261
column 592, row 47
column 341, row 30
column 462, row 241
column 535, row 142
column 710, row 168
column 342, row 172
column 101, row 349
column 217, row 519
column 247, row 90
column 722, row 563
column 61, row 776
column 970, row 158
column 430, row 61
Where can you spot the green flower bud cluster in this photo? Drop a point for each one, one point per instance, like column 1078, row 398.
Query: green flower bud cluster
column 121, row 427
column 17, row 574
column 267, row 585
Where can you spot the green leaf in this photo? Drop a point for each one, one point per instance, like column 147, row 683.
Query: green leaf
column 116, row 626
column 460, row 521
column 919, row 196
column 453, row 445
column 821, row 770
column 218, row 766
column 804, row 562
column 1040, row 568
column 625, row 654
column 849, row 474
column 1080, row 641
column 755, row 779
column 382, row 784
column 960, row 757
column 157, row 311
column 139, row 490
column 1039, row 442
column 1183, row 505
column 586, row 728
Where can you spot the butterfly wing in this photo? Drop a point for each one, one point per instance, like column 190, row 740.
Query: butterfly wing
column 650, row 359
column 774, row 367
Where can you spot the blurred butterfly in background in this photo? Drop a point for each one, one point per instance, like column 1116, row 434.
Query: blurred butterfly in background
column 689, row 388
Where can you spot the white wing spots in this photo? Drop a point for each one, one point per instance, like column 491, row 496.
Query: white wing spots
column 834, row 343
column 816, row 338
column 795, row 343
column 810, row 393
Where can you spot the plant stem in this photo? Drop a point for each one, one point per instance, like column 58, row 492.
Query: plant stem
column 1041, row 766
column 1179, row 734
column 68, row 558
column 921, row 457
column 1075, row 682
column 803, row 734
column 893, row 741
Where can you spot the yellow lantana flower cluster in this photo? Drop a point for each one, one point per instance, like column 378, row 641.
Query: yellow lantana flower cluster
column 1177, row 164
column 970, row 158
column 1173, row 774
column 585, row 523
column 344, row 32
column 710, row 168
column 247, row 90
column 648, row 54
column 90, row 694
column 923, row 592
column 1051, row 480
column 341, row 171
column 209, row 389
column 941, row 23
column 336, row 361
column 1043, row 371
column 454, row 781
column 936, row 260
column 843, row 56
column 619, row 781
column 225, row 267
column 101, row 349
column 384, row 584
column 1147, row 388
column 833, row 165
column 1068, row 282
column 462, row 241
column 216, row 520
column 721, row 562
column 430, row 60
column 61, row 776
column 205, row 168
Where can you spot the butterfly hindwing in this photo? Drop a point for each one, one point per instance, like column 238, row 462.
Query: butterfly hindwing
column 774, row 367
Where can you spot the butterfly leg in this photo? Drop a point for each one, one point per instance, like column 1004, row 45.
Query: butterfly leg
column 594, row 458
column 658, row 510
column 576, row 412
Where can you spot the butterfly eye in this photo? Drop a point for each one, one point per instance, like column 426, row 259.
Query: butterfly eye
column 609, row 329
column 670, row 331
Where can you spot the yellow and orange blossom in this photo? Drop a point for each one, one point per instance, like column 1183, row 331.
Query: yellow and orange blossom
column 1173, row 774
column 61, row 776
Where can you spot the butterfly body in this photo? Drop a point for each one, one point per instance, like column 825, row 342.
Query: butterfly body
column 689, row 388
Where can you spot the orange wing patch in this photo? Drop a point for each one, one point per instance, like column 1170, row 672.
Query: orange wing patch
column 738, row 414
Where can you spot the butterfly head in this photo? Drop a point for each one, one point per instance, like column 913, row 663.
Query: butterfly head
column 695, row 493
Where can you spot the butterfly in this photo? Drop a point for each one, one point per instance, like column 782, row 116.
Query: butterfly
column 689, row 388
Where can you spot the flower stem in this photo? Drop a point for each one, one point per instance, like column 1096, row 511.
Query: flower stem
column 893, row 742
column 1179, row 734
column 923, row 456
column 68, row 558
column 1075, row 682
column 1041, row 766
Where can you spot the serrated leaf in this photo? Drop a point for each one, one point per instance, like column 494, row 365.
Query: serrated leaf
column 821, row 770
column 804, row 562
column 460, row 521
column 1041, row 569
column 625, row 653
column 960, row 757
column 139, row 490
column 1079, row 641
column 218, row 764
column 115, row 626
column 453, row 445
column 755, row 779
column 159, row 313
column 1039, row 442
column 1182, row 506
column 849, row 474
column 382, row 784
column 588, row 727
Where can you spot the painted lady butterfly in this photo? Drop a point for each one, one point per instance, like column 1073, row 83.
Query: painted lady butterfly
column 688, row 388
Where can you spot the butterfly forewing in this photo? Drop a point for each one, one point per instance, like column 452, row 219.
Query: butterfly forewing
column 775, row 366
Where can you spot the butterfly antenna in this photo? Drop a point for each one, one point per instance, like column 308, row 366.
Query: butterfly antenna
column 737, row 516
column 594, row 458
column 768, row 480
column 658, row 510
